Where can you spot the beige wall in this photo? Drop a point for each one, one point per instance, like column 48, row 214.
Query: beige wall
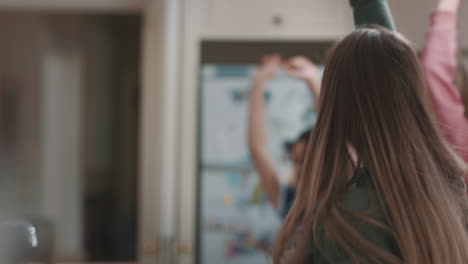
column 412, row 19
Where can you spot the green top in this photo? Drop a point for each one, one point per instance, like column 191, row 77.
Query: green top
column 361, row 199
column 372, row 12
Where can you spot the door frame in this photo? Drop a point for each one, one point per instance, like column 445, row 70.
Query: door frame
column 159, row 138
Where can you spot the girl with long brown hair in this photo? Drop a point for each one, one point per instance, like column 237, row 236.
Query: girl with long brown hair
column 379, row 184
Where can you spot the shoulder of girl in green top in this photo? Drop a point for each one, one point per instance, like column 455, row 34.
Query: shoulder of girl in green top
column 361, row 199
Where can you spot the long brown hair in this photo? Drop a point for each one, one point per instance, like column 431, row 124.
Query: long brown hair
column 373, row 100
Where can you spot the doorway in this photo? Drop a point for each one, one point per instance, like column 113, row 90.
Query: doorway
column 69, row 119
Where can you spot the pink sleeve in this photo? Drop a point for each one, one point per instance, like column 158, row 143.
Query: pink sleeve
column 439, row 61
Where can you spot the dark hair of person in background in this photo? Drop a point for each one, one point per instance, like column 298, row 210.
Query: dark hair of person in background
column 302, row 138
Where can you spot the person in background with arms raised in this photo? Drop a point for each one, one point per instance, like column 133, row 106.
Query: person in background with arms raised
column 439, row 61
column 281, row 197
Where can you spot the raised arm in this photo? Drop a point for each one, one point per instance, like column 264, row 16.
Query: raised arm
column 257, row 134
column 300, row 67
column 372, row 12
column 439, row 62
